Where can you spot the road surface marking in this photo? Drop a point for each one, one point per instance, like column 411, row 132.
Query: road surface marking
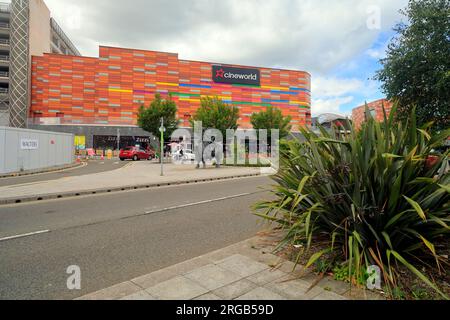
column 24, row 235
column 127, row 165
column 197, row 203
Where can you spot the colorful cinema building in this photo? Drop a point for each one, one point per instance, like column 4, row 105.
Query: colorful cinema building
column 98, row 98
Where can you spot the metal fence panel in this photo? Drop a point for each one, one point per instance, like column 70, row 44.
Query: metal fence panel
column 52, row 149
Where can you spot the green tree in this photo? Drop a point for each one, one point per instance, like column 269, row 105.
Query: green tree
column 416, row 70
column 272, row 118
column 149, row 118
column 215, row 114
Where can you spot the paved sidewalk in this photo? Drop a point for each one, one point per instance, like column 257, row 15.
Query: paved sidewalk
column 244, row 271
column 134, row 176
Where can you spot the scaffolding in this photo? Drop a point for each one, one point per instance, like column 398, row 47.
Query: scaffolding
column 19, row 63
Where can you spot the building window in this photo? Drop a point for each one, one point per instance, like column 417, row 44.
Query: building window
column 372, row 113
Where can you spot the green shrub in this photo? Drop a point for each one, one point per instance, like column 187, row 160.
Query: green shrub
column 371, row 196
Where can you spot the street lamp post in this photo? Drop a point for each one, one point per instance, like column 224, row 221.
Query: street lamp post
column 162, row 129
column 118, row 140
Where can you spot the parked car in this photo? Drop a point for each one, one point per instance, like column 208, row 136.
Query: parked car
column 188, row 155
column 136, row 154
column 183, row 156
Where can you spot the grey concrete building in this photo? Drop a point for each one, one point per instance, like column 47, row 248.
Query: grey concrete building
column 26, row 29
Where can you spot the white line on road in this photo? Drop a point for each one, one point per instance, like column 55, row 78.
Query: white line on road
column 198, row 203
column 24, row 235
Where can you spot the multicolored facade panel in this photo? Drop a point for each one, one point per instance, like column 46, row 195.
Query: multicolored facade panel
column 110, row 89
column 359, row 115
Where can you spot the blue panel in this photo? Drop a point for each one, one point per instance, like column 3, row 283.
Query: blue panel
column 276, row 101
column 284, row 92
column 194, row 86
column 299, row 89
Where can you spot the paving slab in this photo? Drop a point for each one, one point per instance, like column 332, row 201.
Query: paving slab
column 141, row 295
column 234, row 272
column 327, row 295
column 188, row 266
column 208, row 297
column 289, row 267
column 361, row 294
column 219, row 255
column 152, row 279
column 116, row 292
column 338, row 287
column 294, row 289
column 234, row 290
column 178, row 288
column 264, row 257
column 261, row 293
column 266, row 276
column 213, row 277
column 242, row 265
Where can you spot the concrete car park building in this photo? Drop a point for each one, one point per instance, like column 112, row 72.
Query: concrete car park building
column 99, row 98
column 26, row 30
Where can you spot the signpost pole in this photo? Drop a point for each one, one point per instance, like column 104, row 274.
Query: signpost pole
column 162, row 146
column 118, row 140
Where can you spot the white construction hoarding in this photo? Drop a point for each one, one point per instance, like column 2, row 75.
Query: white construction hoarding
column 25, row 150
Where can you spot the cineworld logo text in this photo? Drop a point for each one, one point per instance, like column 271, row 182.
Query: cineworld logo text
column 236, row 75
column 221, row 74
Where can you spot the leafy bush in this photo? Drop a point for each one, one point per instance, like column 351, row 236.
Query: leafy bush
column 149, row 118
column 373, row 197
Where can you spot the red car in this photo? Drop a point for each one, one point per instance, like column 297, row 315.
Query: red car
column 136, row 154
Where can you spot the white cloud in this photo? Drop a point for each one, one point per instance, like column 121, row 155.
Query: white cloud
column 310, row 35
column 379, row 52
column 315, row 36
column 331, row 93
column 333, row 105
column 334, row 87
column 376, row 53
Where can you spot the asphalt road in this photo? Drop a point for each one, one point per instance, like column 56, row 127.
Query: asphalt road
column 92, row 167
column 117, row 237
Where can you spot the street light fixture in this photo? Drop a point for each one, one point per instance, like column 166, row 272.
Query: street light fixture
column 162, row 130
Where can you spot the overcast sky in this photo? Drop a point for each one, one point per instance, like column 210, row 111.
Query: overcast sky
column 338, row 41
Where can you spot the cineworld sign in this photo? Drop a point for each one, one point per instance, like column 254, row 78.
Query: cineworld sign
column 236, row 75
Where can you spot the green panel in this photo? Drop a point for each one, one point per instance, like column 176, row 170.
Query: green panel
column 252, row 103
column 245, row 86
column 187, row 95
